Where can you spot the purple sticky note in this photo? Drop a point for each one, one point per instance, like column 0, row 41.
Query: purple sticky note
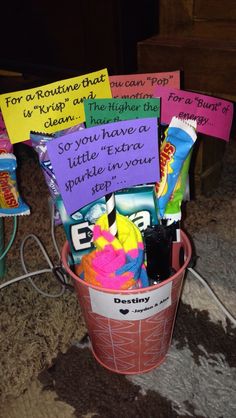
column 214, row 116
column 90, row 163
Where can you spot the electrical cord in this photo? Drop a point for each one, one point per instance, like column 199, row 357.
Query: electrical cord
column 216, row 299
column 58, row 271
column 13, row 235
column 48, row 261
column 25, row 276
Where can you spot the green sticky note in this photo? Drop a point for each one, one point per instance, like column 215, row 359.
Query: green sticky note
column 101, row 111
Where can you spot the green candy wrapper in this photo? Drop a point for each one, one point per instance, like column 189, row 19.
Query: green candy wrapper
column 173, row 208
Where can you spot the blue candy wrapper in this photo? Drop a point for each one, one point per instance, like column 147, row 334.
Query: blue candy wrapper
column 181, row 136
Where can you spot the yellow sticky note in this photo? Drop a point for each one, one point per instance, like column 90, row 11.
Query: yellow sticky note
column 51, row 107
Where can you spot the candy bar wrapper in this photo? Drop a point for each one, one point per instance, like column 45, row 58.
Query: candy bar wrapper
column 69, row 130
column 11, row 203
column 162, row 132
column 173, row 207
column 181, row 136
column 39, row 143
column 5, row 145
column 3, row 130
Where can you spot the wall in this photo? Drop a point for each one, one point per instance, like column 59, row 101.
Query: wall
column 74, row 37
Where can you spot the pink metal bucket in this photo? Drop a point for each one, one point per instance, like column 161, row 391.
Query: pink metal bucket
column 131, row 330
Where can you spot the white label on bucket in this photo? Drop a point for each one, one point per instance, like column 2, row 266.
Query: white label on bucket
column 131, row 307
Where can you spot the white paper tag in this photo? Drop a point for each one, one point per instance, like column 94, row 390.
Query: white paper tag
column 133, row 306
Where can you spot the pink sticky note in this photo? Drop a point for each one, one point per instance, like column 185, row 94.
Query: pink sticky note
column 214, row 116
column 142, row 86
